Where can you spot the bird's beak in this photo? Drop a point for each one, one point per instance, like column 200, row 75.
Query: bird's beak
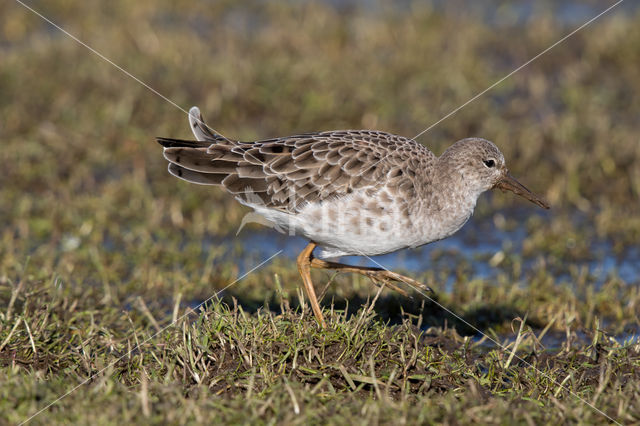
column 509, row 183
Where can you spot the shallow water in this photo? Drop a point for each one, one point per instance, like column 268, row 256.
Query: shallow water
column 477, row 247
column 556, row 340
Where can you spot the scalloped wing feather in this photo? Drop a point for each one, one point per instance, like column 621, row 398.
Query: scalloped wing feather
column 287, row 173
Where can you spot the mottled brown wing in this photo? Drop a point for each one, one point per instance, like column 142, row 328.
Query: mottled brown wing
column 287, row 173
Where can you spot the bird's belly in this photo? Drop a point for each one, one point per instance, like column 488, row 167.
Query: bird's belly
column 347, row 243
column 350, row 226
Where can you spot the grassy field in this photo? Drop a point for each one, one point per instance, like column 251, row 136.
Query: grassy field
column 104, row 257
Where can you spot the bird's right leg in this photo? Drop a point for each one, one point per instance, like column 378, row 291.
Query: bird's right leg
column 383, row 276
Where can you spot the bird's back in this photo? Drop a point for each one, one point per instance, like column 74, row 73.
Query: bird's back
column 351, row 191
column 288, row 173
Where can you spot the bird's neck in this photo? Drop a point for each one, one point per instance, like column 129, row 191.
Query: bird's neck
column 448, row 201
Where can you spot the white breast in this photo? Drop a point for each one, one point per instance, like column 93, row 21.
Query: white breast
column 364, row 224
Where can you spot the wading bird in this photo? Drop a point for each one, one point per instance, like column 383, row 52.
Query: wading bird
column 350, row 192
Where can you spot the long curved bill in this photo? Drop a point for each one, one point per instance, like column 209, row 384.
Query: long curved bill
column 509, row 183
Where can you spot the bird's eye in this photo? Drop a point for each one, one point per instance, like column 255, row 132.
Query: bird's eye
column 489, row 163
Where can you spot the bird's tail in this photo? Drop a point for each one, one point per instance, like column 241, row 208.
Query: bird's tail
column 181, row 143
column 200, row 130
column 190, row 160
column 212, row 159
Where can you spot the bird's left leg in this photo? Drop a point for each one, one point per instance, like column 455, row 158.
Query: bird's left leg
column 304, row 267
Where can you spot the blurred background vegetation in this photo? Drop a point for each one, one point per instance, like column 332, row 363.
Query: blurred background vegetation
column 90, row 214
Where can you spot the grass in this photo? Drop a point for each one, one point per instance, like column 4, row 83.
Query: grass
column 224, row 364
column 103, row 256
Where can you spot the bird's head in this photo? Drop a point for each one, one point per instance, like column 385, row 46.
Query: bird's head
column 481, row 166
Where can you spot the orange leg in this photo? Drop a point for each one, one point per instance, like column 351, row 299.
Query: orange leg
column 378, row 275
column 304, row 267
column 306, row 261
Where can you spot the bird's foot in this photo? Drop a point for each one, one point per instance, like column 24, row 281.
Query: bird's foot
column 389, row 279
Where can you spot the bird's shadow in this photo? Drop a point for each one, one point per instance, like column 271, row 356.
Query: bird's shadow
column 394, row 309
